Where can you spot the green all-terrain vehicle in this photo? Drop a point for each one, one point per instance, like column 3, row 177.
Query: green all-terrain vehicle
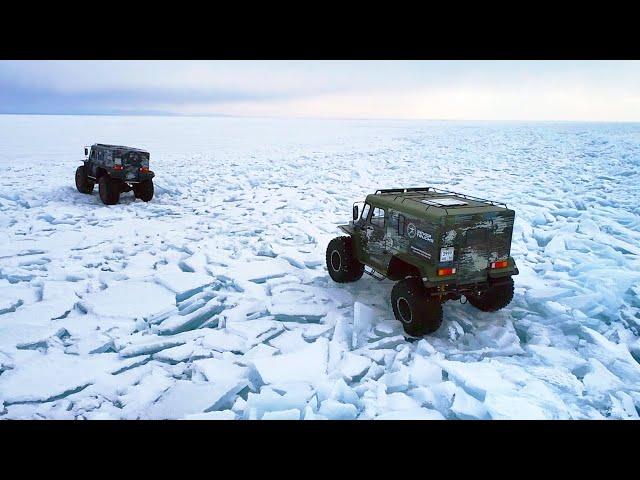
column 438, row 245
column 116, row 169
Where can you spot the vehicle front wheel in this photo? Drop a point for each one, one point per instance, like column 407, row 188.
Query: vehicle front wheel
column 144, row 190
column 412, row 306
column 109, row 190
column 342, row 263
column 83, row 183
column 493, row 299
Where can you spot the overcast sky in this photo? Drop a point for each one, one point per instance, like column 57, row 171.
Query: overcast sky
column 466, row 90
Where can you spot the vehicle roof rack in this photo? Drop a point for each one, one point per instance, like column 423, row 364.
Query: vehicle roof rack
column 404, row 190
column 119, row 147
column 418, row 190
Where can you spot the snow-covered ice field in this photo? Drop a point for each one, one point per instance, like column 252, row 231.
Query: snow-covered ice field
column 213, row 301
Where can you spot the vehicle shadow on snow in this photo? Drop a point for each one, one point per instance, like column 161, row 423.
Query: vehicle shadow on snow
column 93, row 198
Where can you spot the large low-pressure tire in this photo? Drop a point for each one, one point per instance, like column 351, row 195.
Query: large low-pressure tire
column 418, row 313
column 83, row 183
column 143, row 190
column 493, row 299
column 109, row 190
column 342, row 263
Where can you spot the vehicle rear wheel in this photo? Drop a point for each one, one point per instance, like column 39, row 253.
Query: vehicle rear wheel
column 143, row 190
column 493, row 299
column 342, row 263
column 412, row 306
column 83, row 183
column 109, row 190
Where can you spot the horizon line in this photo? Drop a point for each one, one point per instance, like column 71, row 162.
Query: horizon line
column 285, row 117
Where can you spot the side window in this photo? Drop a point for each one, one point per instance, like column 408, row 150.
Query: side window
column 365, row 211
column 396, row 223
column 393, row 221
column 377, row 217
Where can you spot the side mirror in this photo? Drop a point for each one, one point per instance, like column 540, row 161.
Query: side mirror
column 356, row 213
column 86, row 151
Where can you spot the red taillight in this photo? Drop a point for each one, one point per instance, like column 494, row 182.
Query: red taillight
column 500, row 264
column 117, row 167
column 144, row 169
column 446, row 271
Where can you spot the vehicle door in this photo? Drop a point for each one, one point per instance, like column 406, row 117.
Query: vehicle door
column 93, row 162
column 377, row 250
column 473, row 258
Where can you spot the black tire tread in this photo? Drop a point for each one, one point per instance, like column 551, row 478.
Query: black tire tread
column 427, row 313
column 109, row 190
column 83, row 183
column 351, row 269
column 144, row 190
column 493, row 299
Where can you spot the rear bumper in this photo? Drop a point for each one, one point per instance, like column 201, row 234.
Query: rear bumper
column 491, row 276
column 452, row 291
column 129, row 177
column 507, row 272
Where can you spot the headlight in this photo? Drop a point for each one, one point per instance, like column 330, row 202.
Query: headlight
column 446, row 254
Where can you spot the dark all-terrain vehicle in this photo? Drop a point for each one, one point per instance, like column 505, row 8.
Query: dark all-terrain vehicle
column 438, row 245
column 116, row 169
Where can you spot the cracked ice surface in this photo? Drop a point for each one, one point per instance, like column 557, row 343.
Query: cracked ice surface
column 213, row 302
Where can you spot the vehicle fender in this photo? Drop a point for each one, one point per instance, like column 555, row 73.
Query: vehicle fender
column 100, row 172
column 348, row 229
column 507, row 272
column 403, row 258
column 356, row 241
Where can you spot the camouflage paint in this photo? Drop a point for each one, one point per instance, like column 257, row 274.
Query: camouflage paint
column 132, row 162
column 374, row 243
column 107, row 156
column 478, row 238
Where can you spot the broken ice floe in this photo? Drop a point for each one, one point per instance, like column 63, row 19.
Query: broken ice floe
column 308, row 364
column 156, row 310
column 130, row 299
column 183, row 284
